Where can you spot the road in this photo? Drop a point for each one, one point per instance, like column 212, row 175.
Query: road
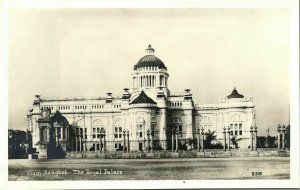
column 150, row 169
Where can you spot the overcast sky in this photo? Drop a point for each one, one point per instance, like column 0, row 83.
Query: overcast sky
column 88, row 52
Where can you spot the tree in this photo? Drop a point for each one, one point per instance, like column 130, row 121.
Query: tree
column 210, row 138
column 234, row 141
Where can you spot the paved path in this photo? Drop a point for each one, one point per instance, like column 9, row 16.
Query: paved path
column 151, row 169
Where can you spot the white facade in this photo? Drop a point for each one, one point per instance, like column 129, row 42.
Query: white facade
column 149, row 105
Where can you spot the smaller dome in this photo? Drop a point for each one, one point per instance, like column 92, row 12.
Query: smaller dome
column 235, row 94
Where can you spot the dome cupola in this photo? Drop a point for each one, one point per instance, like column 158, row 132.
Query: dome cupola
column 150, row 61
column 235, row 94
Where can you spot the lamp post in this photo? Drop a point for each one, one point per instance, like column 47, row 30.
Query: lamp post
column 84, row 130
column 283, row 136
column 100, row 140
column 228, row 131
column 255, row 137
column 224, row 133
column 251, row 134
column 128, row 143
column 124, row 141
column 148, row 139
column 104, row 140
column 279, row 139
column 176, row 133
column 202, row 139
column 198, row 139
column 173, row 139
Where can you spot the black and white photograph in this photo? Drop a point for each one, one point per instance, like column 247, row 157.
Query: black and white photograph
column 179, row 95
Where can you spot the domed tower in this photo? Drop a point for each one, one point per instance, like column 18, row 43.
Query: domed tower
column 150, row 75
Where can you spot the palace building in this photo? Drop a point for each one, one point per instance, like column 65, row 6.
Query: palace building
column 147, row 116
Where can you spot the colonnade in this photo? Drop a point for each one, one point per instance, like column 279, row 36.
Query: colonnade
column 150, row 81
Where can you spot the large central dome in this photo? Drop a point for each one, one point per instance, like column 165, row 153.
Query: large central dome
column 150, row 60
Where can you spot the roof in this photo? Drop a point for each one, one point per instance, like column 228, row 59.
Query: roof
column 143, row 99
column 235, row 94
column 150, row 60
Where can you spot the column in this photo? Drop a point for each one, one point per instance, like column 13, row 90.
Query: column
column 100, row 142
column 41, row 134
column 66, row 133
column 56, row 135
column 124, row 141
column 251, row 135
column 224, row 134
column 279, row 139
column 128, row 143
column 148, row 139
column 176, row 133
column 198, row 140
column 80, row 143
column 76, row 143
column 255, row 138
column 104, row 141
column 202, row 139
column 172, row 139
column 162, row 129
column 283, row 137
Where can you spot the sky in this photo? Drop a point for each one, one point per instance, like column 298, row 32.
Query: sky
column 89, row 52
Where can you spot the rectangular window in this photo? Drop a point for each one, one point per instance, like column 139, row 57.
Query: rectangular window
column 240, row 126
column 235, row 126
column 141, row 134
column 116, row 129
column 120, row 129
column 120, row 135
column 96, row 132
column 180, row 130
column 116, row 136
column 231, row 126
column 116, row 146
column 240, row 133
column 64, row 133
column 231, row 132
column 235, row 132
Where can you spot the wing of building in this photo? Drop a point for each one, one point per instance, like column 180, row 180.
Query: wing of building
column 146, row 111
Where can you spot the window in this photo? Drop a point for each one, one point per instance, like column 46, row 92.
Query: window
column 177, row 125
column 180, row 130
column 118, row 132
column 140, row 127
column 96, row 132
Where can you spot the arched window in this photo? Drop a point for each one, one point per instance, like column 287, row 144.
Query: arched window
column 206, row 123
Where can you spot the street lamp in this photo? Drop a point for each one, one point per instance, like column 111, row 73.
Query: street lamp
column 128, row 144
column 202, row 134
column 224, row 132
column 251, row 133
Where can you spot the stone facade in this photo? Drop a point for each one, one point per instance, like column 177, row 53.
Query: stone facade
column 146, row 114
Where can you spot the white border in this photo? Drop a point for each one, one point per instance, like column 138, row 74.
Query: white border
column 293, row 5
